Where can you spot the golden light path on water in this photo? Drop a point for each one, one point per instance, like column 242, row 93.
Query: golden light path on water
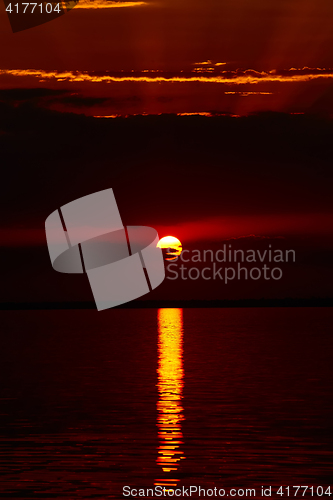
column 170, row 387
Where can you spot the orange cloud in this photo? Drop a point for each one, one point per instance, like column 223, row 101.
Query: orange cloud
column 237, row 77
column 245, row 94
column 105, row 4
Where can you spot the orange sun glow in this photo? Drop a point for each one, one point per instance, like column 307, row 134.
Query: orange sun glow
column 172, row 247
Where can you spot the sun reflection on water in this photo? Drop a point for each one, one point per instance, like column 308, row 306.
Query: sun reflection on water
column 170, row 387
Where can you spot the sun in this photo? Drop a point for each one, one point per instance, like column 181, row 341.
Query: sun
column 171, row 247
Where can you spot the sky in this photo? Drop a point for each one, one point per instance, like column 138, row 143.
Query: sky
column 168, row 56
column 209, row 181
column 211, row 120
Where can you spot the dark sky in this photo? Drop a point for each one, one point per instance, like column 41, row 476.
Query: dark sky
column 257, row 180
